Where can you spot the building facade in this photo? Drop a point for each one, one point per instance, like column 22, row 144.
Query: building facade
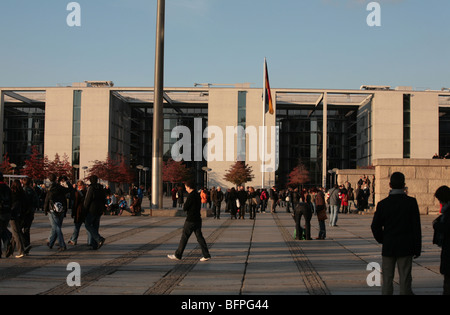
column 324, row 129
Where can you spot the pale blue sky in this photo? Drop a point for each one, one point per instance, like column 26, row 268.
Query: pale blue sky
column 308, row 43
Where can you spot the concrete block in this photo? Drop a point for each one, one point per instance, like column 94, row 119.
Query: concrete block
column 382, row 172
column 425, row 200
column 408, row 171
column 417, row 186
column 446, row 172
column 429, row 172
column 382, row 186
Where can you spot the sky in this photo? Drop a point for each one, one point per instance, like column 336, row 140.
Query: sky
column 307, row 43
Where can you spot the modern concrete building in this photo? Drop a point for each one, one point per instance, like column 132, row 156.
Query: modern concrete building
column 351, row 128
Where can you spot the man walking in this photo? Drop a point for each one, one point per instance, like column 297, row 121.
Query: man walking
column 193, row 224
column 55, row 204
column 396, row 225
column 217, row 198
column 335, row 202
column 94, row 203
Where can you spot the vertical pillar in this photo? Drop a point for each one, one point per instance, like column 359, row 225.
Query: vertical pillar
column 324, row 140
column 158, row 118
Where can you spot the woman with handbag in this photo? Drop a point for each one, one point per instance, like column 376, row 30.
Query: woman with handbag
column 441, row 237
column 321, row 211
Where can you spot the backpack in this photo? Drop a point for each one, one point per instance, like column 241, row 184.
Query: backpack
column 263, row 195
column 56, row 207
column 56, row 200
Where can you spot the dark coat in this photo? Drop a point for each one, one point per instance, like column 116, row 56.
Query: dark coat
column 5, row 200
column 17, row 204
column 95, row 200
column 396, row 225
column 242, row 196
column 192, row 207
column 442, row 225
column 78, row 211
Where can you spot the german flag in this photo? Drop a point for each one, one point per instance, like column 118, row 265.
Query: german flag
column 268, row 94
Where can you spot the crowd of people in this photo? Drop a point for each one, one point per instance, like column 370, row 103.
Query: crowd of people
column 20, row 200
column 396, row 222
column 237, row 202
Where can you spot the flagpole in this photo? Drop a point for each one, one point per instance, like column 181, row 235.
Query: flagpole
column 263, row 155
column 158, row 116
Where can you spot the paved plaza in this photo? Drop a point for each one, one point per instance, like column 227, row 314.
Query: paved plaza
column 249, row 257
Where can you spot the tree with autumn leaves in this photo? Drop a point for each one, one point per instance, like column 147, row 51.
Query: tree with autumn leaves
column 175, row 172
column 5, row 166
column 38, row 167
column 239, row 174
column 113, row 171
column 298, row 176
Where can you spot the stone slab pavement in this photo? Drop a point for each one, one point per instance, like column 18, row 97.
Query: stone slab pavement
column 249, row 258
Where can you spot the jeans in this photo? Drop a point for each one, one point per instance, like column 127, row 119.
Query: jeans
column 76, row 232
column 92, row 224
column 188, row 229
column 56, row 221
column 334, row 214
column 322, row 230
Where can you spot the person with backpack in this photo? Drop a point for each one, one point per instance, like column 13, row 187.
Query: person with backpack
column 94, row 204
column 55, row 205
column 263, row 198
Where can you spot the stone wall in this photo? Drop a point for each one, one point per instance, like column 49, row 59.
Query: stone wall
column 423, row 177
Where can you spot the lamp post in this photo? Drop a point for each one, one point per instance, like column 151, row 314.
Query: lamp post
column 139, row 167
column 157, row 157
column 145, row 169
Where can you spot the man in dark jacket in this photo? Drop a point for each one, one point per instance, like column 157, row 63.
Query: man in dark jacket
column 94, row 203
column 56, row 195
column 217, row 198
column 302, row 209
column 396, row 225
column 193, row 224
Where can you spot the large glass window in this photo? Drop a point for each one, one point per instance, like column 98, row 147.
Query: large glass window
column 23, row 128
column 242, row 122
column 301, row 140
column 76, row 127
column 407, row 126
column 363, row 136
column 444, row 131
